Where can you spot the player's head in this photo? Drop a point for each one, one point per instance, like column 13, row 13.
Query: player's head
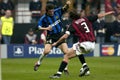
column 8, row 13
column 74, row 15
column 30, row 31
column 82, row 13
column 50, row 9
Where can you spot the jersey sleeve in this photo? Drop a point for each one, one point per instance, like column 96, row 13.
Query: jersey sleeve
column 59, row 11
column 70, row 30
column 92, row 18
column 42, row 22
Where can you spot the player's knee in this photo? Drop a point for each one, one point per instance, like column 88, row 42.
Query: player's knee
column 65, row 51
column 66, row 59
column 69, row 56
column 47, row 51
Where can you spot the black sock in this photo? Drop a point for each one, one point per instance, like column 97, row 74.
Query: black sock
column 62, row 66
column 82, row 59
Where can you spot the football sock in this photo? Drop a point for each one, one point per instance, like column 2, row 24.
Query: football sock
column 62, row 67
column 84, row 65
column 81, row 59
column 66, row 68
column 41, row 58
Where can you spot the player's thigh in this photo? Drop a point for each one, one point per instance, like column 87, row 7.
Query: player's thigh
column 64, row 48
column 47, row 48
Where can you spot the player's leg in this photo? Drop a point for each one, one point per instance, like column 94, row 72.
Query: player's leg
column 47, row 49
column 64, row 49
column 79, row 50
column 74, row 52
column 83, row 62
column 84, row 66
column 64, row 63
column 85, row 47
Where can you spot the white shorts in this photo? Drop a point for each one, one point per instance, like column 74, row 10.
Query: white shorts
column 87, row 46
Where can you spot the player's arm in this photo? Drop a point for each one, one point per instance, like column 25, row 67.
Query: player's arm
column 95, row 17
column 70, row 30
column 41, row 27
column 66, row 6
column 65, row 36
column 49, row 28
column 104, row 14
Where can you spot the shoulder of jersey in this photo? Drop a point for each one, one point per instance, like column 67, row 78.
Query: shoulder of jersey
column 43, row 16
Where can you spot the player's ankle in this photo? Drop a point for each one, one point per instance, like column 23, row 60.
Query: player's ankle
column 84, row 65
column 59, row 72
column 38, row 62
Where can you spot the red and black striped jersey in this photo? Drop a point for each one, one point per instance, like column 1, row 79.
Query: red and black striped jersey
column 83, row 28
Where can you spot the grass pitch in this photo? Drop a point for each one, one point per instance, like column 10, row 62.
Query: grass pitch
column 102, row 68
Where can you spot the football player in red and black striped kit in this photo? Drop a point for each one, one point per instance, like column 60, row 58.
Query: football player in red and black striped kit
column 82, row 27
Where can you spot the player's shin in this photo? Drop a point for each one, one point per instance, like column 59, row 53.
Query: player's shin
column 62, row 67
column 85, row 69
column 37, row 64
column 81, row 59
column 60, row 70
column 41, row 58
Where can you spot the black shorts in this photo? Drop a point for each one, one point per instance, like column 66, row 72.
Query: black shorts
column 50, row 39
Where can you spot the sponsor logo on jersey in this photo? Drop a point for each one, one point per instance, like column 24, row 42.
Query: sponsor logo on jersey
column 55, row 23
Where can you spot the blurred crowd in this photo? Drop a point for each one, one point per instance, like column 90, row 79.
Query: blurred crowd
column 6, row 5
column 88, row 7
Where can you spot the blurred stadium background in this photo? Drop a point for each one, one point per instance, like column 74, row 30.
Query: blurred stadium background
column 17, row 58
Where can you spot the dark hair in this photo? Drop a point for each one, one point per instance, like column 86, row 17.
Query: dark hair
column 49, row 7
column 30, row 30
column 74, row 15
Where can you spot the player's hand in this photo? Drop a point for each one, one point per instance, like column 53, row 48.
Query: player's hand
column 105, row 14
column 54, row 44
column 68, row 2
column 111, row 12
column 49, row 28
column 117, row 34
column 34, row 42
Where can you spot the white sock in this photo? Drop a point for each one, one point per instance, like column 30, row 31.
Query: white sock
column 84, row 64
column 59, row 72
column 66, row 68
column 41, row 58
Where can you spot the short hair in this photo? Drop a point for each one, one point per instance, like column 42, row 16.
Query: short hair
column 30, row 30
column 49, row 7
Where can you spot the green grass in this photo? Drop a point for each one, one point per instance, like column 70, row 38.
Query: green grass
column 102, row 68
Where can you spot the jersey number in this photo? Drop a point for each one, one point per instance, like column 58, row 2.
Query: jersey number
column 85, row 27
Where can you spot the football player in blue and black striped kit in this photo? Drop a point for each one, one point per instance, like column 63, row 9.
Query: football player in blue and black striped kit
column 51, row 22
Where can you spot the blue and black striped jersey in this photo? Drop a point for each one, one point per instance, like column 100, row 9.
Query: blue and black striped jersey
column 54, row 21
